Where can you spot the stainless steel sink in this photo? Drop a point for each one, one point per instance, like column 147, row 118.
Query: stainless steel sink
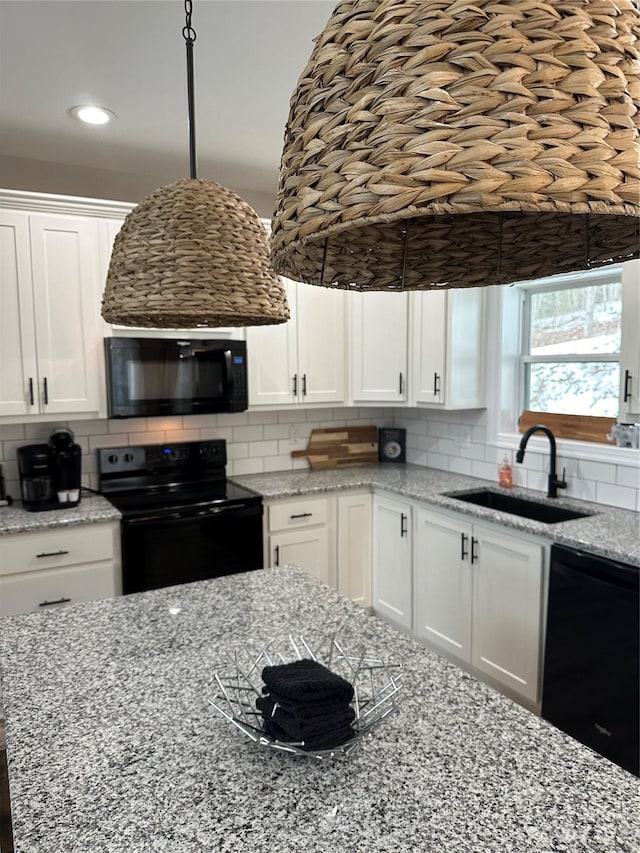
column 518, row 506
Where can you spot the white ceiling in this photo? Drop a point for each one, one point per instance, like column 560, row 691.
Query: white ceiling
column 129, row 56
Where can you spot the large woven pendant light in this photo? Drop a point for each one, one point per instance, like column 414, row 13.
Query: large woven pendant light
column 192, row 253
column 462, row 143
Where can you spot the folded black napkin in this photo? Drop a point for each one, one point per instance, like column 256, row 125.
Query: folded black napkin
column 301, row 726
column 324, row 740
column 305, row 710
column 306, row 681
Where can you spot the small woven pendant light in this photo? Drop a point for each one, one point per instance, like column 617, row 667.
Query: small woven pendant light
column 459, row 144
column 192, row 253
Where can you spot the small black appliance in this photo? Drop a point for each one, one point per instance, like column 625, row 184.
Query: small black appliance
column 50, row 473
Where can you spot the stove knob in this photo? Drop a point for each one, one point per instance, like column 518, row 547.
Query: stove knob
column 113, row 459
column 128, row 457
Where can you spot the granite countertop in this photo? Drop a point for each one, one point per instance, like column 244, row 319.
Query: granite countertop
column 91, row 509
column 608, row 531
column 113, row 747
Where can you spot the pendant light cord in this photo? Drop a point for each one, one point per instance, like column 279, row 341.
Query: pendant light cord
column 190, row 36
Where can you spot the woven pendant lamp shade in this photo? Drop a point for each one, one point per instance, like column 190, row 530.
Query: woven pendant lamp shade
column 462, row 144
column 193, row 253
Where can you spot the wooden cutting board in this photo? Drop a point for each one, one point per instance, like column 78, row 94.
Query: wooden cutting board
column 340, row 446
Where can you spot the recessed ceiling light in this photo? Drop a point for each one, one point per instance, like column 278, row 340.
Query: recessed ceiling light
column 91, row 114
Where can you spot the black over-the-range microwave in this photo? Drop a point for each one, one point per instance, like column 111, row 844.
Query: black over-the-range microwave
column 156, row 376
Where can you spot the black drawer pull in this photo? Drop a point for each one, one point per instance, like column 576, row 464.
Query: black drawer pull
column 31, row 399
column 436, row 384
column 474, row 554
column 57, row 601
column 302, row 515
column 51, row 554
column 46, row 391
column 277, row 555
column 403, row 521
column 627, row 386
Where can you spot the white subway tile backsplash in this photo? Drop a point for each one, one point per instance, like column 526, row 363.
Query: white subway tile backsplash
column 612, row 495
column 262, row 441
column 263, row 448
column 247, row 433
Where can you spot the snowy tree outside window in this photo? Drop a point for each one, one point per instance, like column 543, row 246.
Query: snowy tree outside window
column 571, row 352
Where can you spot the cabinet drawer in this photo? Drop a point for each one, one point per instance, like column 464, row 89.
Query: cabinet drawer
column 293, row 514
column 51, row 588
column 28, row 552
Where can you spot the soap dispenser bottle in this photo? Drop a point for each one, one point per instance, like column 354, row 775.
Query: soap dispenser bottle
column 505, row 474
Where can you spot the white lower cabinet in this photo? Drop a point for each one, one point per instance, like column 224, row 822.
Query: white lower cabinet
column 354, row 547
column 301, row 532
column 328, row 536
column 51, row 568
column 478, row 596
column 392, row 561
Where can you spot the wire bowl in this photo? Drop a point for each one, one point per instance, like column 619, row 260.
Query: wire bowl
column 376, row 689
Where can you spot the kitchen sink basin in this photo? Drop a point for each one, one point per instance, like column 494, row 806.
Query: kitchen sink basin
column 519, row 506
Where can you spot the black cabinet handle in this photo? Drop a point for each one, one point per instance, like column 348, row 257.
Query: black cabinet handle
column 403, row 521
column 31, row 400
column 276, row 555
column 51, row 554
column 295, row 384
column 57, row 601
column 401, row 383
column 463, row 546
column 436, row 384
column 627, row 386
column 304, row 384
column 302, row 515
column 474, row 555
column 46, row 390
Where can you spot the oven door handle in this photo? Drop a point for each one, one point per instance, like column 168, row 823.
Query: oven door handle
column 189, row 515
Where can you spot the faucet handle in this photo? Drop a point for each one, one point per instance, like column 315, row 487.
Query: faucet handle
column 562, row 483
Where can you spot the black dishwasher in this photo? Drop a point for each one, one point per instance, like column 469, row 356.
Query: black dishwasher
column 591, row 681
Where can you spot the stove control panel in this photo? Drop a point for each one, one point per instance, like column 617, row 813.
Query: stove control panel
column 177, row 456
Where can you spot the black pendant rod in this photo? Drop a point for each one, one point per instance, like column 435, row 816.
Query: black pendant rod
column 190, row 36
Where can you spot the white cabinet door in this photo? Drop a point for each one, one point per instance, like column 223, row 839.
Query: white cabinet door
column 320, row 327
column 272, row 357
column 392, row 556
column 64, row 254
column 379, row 342
column 429, row 335
column 449, row 348
column 354, row 547
column 442, row 579
column 18, row 366
column 630, row 349
column 301, row 361
column 307, row 548
column 507, row 607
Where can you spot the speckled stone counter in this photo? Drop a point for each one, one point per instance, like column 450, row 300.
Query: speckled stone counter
column 113, row 747
column 608, row 531
column 91, row 509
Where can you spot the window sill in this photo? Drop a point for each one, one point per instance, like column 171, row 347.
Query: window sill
column 570, row 449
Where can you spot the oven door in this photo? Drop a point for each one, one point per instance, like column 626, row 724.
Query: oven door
column 179, row 547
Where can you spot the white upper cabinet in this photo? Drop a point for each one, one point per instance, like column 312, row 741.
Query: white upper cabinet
column 379, row 347
column 301, row 361
column 630, row 348
column 48, row 322
column 449, row 349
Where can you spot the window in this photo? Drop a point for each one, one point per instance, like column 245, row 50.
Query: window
column 571, row 337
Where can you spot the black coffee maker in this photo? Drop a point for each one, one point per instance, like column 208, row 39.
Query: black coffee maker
column 50, row 473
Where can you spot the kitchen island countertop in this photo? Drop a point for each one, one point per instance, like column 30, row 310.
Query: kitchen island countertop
column 112, row 746
column 608, row 531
